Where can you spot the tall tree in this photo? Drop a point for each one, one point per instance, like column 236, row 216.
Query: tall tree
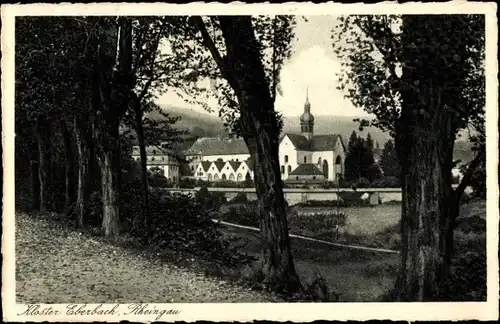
column 352, row 167
column 239, row 58
column 389, row 160
column 422, row 77
column 115, row 82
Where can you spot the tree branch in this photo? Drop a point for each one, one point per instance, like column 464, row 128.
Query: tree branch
column 468, row 175
column 209, row 43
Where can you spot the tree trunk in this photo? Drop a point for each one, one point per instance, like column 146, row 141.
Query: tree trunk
column 42, row 134
column 83, row 178
column 35, row 186
column 69, row 197
column 243, row 68
column 425, row 136
column 110, row 192
column 144, row 169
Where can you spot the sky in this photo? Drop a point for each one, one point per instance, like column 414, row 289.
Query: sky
column 313, row 66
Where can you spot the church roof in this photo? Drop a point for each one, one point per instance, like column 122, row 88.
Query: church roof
column 306, row 169
column 324, row 142
column 318, row 142
column 206, row 165
column 218, row 146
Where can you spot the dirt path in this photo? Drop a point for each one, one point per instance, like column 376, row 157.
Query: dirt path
column 55, row 265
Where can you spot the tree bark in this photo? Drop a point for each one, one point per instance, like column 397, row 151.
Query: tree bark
column 83, row 178
column 69, row 196
column 42, row 134
column 425, row 136
column 243, row 69
column 144, row 170
column 110, row 192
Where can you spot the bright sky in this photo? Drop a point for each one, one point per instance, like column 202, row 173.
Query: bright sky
column 313, row 65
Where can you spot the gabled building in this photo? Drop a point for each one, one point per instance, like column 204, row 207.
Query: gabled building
column 323, row 155
column 160, row 160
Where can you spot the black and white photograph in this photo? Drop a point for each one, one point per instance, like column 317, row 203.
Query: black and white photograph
column 157, row 160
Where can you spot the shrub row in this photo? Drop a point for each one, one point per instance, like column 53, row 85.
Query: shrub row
column 180, row 222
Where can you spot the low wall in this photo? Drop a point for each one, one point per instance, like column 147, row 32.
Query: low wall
column 297, row 195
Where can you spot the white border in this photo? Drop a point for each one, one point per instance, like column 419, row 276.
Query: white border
column 263, row 311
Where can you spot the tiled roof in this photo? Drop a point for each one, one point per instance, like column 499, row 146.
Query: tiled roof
column 205, row 165
column 324, row 142
column 235, row 165
column 306, row 169
column 318, row 143
column 151, row 150
column 218, row 146
column 219, row 165
column 299, row 141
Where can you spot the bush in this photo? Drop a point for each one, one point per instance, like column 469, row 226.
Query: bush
column 467, row 279
column 362, row 183
column 211, row 200
column 240, row 198
column 184, row 223
column 159, row 181
column 386, row 182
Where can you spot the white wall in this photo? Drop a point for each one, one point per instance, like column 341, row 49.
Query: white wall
column 328, row 156
column 286, row 148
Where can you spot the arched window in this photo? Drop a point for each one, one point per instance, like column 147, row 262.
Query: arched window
column 314, row 177
column 209, row 177
column 319, row 161
column 153, row 158
column 338, row 160
column 231, row 177
column 296, row 178
column 239, row 177
column 286, row 158
column 192, row 168
column 289, row 168
column 216, row 177
column 282, row 169
column 325, row 168
column 305, row 159
column 224, row 177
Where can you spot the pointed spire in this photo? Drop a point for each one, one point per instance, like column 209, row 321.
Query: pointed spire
column 307, row 95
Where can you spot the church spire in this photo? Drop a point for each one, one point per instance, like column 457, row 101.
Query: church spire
column 307, row 119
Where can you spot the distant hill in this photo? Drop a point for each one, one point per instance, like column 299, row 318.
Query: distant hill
column 201, row 124
column 197, row 123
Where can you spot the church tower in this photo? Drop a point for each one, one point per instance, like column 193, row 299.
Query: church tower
column 307, row 120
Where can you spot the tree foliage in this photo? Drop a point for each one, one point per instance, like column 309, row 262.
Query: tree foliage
column 389, row 160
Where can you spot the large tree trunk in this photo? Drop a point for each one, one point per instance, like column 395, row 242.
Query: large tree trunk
column 425, row 136
column 110, row 191
column 42, row 134
column 259, row 128
column 144, row 170
column 69, row 196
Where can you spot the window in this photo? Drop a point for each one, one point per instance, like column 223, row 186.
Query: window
column 314, row 177
column 192, row 168
column 289, row 168
column 231, row 177
column 216, row 177
column 296, row 178
column 282, row 169
column 209, row 177
column 319, row 161
column 286, row 158
column 239, row 177
column 236, row 160
column 305, row 159
column 153, row 158
column 163, row 158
